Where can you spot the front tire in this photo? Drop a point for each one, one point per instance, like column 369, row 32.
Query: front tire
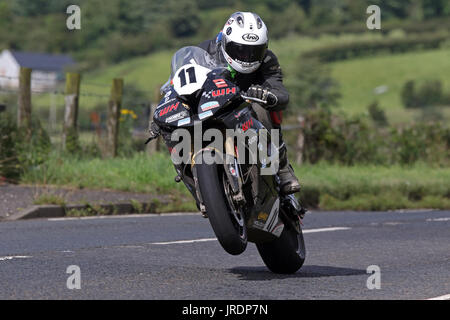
column 231, row 235
column 286, row 254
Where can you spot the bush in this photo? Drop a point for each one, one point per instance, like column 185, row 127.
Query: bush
column 33, row 152
column 339, row 139
column 428, row 94
column 350, row 141
column 9, row 162
column 127, row 144
column 428, row 142
column 311, row 86
column 377, row 114
column 366, row 48
column 18, row 153
column 72, row 142
column 408, row 26
column 408, row 94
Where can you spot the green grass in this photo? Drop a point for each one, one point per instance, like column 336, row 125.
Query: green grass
column 89, row 210
column 48, row 198
column 334, row 187
column 324, row 186
column 146, row 73
column 137, row 174
column 358, row 78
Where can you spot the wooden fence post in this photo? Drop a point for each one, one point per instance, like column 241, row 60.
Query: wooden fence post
column 154, row 145
column 114, row 106
column 72, row 93
column 24, row 101
column 300, row 141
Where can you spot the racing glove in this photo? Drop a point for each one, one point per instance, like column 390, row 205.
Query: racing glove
column 262, row 93
column 155, row 132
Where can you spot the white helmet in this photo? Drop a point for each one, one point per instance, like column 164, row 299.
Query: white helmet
column 245, row 40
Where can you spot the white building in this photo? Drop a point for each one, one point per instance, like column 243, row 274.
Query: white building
column 48, row 69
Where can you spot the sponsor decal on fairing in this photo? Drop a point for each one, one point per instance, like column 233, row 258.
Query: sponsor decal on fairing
column 204, row 115
column 209, row 105
column 184, row 121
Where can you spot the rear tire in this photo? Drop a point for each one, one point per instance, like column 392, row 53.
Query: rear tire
column 231, row 236
column 286, row 254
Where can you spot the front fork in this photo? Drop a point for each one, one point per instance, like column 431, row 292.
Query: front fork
column 231, row 169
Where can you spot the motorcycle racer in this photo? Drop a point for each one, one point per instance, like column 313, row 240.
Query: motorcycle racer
column 243, row 45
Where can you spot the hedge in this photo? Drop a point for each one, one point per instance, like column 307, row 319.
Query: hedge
column 365, row 48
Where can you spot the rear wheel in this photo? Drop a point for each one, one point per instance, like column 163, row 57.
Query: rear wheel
column 286, row 254
column 226, row 221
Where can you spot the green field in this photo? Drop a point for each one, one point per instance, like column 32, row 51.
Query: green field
column 357, row 78
column 146, row 73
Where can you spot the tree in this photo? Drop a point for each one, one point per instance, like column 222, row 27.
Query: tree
column 6, row 20
column 33, row 8
column 312, row 86
column 377, row 114
column 291, row 20
column 183, row 17
column 435, row 8
column 394, row 8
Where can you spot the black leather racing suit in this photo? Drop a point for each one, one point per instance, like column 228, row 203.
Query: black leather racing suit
column 268, row 75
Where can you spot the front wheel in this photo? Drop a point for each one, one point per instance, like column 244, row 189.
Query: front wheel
column 227, row 223
column 286, row 254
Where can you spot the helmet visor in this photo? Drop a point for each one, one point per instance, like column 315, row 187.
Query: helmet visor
column 245, row 52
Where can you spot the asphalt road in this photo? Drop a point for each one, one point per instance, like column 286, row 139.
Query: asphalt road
column 143, row 258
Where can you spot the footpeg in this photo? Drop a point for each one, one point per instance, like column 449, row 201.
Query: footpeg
column 177, row 179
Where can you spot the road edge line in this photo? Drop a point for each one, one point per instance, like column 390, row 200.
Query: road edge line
column 56, row 211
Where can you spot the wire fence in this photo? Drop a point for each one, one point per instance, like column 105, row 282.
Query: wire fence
column 48, row 100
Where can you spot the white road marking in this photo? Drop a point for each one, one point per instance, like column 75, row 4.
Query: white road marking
column 185, row 241
column 393, row 223
column 438, row 219
column 325, row 229
column 214, row 239
column 149, row 215
column 14, row 257
column 129, row 247
column 412, row 210
column 444, row 297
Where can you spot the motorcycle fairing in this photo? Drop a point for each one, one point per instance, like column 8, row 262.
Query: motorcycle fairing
column 171, row 110
column 217, row 93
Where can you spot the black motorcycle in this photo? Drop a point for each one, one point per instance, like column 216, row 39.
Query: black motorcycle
column 241, row 203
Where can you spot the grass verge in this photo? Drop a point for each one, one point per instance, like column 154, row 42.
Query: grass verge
column 328, row 187
column 334, row 187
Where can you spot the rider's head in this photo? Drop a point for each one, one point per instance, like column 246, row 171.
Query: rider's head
column 244, row 41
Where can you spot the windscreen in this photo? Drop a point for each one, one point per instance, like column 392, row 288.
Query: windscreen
column 191, row 55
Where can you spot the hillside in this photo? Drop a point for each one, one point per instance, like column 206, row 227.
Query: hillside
column 357, row 78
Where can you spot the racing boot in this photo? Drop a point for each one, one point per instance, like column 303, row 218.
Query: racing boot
column 288, row 181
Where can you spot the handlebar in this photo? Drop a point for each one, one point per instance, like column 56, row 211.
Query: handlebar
column 253, row 99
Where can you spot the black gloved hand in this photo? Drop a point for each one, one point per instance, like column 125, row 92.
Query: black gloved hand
column 155, row 131
column 262, row 93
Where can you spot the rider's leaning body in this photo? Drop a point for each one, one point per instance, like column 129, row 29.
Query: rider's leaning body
column 243, row 45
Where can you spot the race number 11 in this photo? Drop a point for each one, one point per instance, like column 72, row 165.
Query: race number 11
column 182, row 76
